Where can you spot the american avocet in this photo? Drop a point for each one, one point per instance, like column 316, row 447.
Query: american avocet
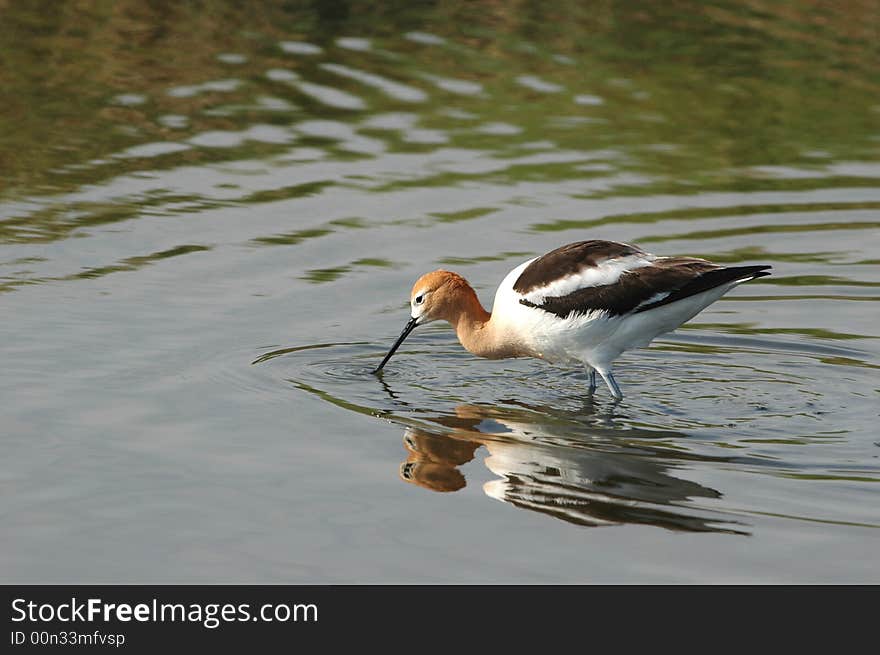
column 586, row 302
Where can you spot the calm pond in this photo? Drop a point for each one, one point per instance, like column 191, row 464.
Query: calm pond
column 211, row 217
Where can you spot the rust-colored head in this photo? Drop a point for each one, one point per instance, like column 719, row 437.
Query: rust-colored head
column 436, row 295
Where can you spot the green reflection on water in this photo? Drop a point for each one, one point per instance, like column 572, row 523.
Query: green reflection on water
column 134, row 263
column 690, row 93
column 127, row 264
column 464, row 215
column 292, row 237
column 696, row 213
column 467, row 261
column 753, row 229
column 818, row 280
column 816, row 333
column 319, row 275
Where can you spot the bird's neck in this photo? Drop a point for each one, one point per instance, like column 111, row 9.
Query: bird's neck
column 476, row 331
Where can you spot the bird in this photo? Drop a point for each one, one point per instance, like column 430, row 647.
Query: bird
column 584, row 303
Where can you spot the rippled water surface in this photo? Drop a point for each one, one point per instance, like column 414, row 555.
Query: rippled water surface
column 211, row 217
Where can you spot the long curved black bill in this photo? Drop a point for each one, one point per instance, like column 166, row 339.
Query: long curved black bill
column 403, row 335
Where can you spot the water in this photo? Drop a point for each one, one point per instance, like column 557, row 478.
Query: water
column 210, row 221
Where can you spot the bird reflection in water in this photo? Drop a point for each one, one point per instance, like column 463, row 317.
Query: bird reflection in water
column 586, row 481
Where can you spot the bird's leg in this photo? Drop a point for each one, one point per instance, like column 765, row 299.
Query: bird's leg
column 592, row 386
column 612, row 384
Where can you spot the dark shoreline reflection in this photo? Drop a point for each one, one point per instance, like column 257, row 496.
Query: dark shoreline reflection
column 585, row 479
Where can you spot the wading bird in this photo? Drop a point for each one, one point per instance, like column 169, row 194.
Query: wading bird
column 584, row 303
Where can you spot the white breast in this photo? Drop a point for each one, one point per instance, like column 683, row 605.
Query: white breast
column 547, row 336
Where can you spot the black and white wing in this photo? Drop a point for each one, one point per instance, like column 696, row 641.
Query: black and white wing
column 617, row 279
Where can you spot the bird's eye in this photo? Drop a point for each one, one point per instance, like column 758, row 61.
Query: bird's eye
column 420, row 299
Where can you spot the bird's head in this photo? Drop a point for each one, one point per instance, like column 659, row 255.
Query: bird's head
column 438, row 295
